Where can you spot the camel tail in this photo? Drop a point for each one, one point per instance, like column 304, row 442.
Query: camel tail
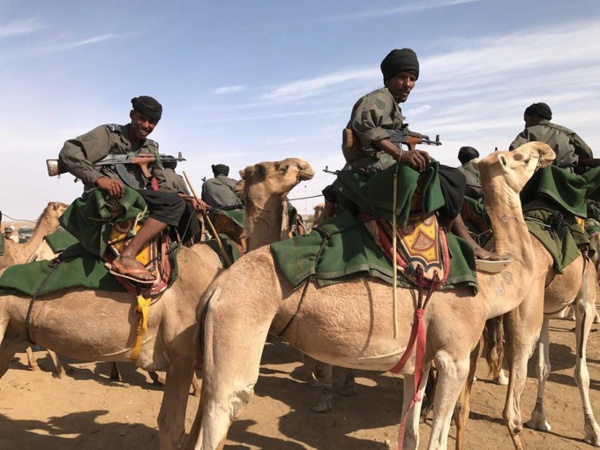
column 493, row 344
column 213, row 291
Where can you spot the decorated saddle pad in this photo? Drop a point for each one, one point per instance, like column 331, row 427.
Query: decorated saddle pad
column 231, row 224
column 421, row 246
column 342, row 248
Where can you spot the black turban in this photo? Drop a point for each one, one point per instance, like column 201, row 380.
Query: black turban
column 147, row 106
column 541, row 110
column 398, row 61
column 466, row 154
column 220, row 169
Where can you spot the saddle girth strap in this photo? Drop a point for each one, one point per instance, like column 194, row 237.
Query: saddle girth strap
column 143, row 305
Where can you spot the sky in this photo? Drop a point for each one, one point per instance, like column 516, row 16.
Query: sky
column 245, row 81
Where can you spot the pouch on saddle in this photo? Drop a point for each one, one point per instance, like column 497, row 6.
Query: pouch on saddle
column 231, row 224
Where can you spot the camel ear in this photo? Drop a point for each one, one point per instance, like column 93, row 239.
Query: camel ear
column 261, row 170
column 545, row 152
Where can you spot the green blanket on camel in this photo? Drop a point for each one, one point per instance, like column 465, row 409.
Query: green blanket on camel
column 342, row 248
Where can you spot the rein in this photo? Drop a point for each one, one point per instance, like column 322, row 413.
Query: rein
column 418, row 336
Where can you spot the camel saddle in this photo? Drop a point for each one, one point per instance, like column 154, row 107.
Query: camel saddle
column 421, row 246
column 154, row 257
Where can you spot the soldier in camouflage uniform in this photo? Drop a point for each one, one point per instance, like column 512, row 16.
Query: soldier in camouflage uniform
column 78, row 156
column 379, row 111
column 567, row 144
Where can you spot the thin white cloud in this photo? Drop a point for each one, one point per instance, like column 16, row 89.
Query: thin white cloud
column 20, row 28
column 228, row 89
column 387, row 12
column 66, row 46
column 313, row 86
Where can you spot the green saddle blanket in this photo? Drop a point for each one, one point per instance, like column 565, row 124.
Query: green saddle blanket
column 78, row 268
column 60, row 240
column 342, row 248
column 232, row 250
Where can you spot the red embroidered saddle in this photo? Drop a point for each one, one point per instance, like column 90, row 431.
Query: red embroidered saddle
column 421, row 246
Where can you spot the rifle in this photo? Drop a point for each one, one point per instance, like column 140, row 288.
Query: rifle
column 353, row 151
column 141, row 159
column 411, row 139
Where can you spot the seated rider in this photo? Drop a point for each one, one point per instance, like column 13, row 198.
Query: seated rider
column 379, row 111
column 218, row 192
column 166, row 208
column 567, row 144
column 466, row 155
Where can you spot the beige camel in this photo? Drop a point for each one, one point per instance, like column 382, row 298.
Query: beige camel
column 47, row 223
column 575, row 287
column 100, row 325
column 352, row 324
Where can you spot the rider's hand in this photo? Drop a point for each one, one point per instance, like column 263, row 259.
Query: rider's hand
column 418, row 159
column 114, row 188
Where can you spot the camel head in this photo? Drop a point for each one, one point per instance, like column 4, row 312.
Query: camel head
column 278, row 177
column 515, row 167
column 51, row 213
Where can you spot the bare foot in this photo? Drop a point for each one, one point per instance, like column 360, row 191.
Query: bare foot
column 481, row 253
column 132, row 268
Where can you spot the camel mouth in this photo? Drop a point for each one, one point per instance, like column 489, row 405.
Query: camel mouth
column 306, row 173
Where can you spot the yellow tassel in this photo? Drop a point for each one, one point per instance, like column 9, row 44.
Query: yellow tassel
column 143, row 305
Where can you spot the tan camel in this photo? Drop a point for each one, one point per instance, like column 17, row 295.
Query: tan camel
column 47, row 223
column 575, row 287
column 319, row 215
column 100, row 325
column 352, row 324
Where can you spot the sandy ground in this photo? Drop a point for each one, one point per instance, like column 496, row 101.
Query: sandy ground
column 88, row 411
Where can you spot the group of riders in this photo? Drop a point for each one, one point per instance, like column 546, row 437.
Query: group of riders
column 374, row 119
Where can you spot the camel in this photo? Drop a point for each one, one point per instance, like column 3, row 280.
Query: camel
column 94, row 325
column 576, row 287
column 47, row 223
column 319, row 215
column 351, row 324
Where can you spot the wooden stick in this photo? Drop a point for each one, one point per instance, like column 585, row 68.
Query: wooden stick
column 210, row 224
column 394, row 261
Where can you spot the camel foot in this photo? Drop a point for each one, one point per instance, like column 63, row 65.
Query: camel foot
column 592, row 434
column 347, row 391
column 501, row 379
column 538, row 422
column 322, row 407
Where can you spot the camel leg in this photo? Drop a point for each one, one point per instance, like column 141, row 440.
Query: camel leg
column 349, row 387
column 463, row 405
column 60, row 369
column 228, row 379
column 31, row 359
column 452, row 374
column 520, row 341
column 538, row 415
column 171, row 418
column 326, row 402
column 413, row 415
column 115, row 375
column 585, row 315
column 196, row 386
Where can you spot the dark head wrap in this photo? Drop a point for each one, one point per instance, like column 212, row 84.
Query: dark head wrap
column 466, row 154
column 220, row 169
column 541, row 110
column 398, row 61
column 147, row 106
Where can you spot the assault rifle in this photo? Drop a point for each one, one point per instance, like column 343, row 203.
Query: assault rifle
column 141, row 159
column 411, row 139
column 353, row 151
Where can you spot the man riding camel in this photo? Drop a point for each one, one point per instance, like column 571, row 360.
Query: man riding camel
column 166, row 208
column 376, row 114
